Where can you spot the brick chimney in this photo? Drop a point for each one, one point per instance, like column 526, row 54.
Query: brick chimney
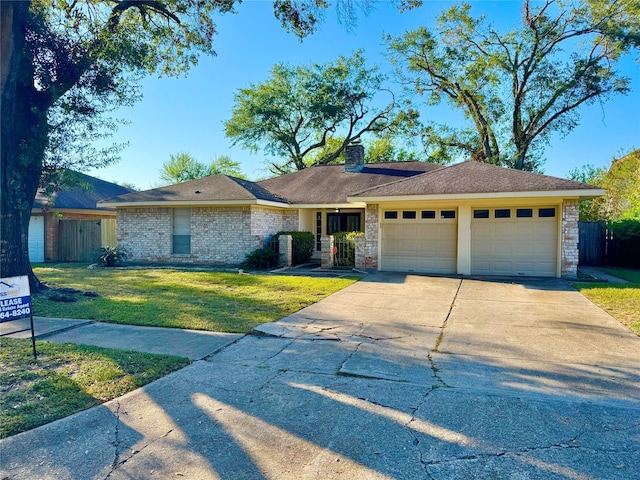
column 354, row 157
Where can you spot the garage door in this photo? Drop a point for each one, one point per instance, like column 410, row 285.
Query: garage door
column 422, row 241
column 514, row 241
column 36, row 239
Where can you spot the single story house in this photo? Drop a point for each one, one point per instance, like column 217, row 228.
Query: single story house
column 469, row 218
column 68, row 225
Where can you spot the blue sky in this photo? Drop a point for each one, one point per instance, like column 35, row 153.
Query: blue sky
column 187, row 113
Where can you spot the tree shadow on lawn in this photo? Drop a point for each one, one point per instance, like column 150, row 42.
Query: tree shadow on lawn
column 69, row 378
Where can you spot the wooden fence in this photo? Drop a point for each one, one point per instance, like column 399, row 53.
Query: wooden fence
column 592, row 243
column 598, row 246
column 78, row 240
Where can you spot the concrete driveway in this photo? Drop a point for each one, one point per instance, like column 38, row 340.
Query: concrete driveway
column 397, row 376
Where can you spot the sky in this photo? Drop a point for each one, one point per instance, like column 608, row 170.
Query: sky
column 186, row 114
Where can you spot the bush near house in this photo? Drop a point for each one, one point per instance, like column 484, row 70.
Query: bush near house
column 624, row 245
column 303, row 245
column 264, row 257
column 345, row 244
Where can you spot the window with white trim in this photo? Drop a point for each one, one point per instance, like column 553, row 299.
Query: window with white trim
column 181, row 231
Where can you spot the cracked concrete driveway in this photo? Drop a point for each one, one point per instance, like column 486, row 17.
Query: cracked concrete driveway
column 397, row 376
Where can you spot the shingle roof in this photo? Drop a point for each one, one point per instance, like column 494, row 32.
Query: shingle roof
column 472, row 177
column 211, row 188
column 330, row 184
column 85, row 196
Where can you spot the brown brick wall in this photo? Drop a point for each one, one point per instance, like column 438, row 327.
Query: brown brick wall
column 220, row 235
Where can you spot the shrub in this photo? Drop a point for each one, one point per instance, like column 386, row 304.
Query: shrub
column 624, row 246
column 625, row 229
column 262, row 258
column 110, row 256
column 346, row 248
column 303, row 246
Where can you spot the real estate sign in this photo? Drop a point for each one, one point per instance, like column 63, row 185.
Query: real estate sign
column 15, row 298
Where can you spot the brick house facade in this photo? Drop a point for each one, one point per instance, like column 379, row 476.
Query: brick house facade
column 468, row 219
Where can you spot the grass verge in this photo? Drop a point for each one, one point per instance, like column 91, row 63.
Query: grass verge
column 621, row 300
column 67, row 379
column 215, row 301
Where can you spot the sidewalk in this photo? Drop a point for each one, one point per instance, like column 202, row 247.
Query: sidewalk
column 597, row 273
column 192, row 344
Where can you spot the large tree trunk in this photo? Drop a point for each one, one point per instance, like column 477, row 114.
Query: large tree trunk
column 23, row 142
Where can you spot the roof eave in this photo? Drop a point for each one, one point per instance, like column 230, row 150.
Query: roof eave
column 80, row 211
column 569, row 194
column 354, row 204
column 193, row 203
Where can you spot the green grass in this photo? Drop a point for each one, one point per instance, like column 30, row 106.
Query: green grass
column 67, row 379
column 198, row 300
column 628, row 274
column 622, row 301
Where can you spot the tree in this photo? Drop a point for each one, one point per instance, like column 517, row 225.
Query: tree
column 386, row 148
column 183, row 167
column 300, row 111
column 515, row 88
column 65, row 63
column 621, row 184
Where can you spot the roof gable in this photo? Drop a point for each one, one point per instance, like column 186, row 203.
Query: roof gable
column 473, row 177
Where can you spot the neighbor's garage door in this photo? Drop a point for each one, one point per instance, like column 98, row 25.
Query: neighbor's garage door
column 422, row 241
column 514, row 241
column 36, row 239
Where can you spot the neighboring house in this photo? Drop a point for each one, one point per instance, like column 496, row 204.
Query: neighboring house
column 68, row 226
column 470, row 218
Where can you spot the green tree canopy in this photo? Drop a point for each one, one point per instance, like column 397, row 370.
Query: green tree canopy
column 183, row 167
column 386, row 148
column 514, row 88
column 299, row 112
column 64, row 64
column 621, row 184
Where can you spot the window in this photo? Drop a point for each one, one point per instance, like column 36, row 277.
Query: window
column 390, row 215
column 481, row 214
column 343, row 222
column 409, row 214
column 447, row 214
column 546, row 212
column 502, row 213
column 428, row 214
column 524, row 212
column 181, row 231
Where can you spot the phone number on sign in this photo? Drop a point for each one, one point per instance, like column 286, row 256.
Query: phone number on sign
column 18, row 312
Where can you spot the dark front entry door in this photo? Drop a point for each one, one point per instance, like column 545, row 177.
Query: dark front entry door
column 343, row 222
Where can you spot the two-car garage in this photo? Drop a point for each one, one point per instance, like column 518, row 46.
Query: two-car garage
column 512, row 241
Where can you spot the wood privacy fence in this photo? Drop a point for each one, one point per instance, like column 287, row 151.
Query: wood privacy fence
column 592, row 243
column 598, row 246
column 78, row 240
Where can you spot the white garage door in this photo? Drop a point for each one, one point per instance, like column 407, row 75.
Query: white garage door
column 514, row 241
column 422, row 241
column 36, row 239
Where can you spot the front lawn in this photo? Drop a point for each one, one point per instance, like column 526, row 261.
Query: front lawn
column 198, row 300
column 67, row 379
column 621, row 300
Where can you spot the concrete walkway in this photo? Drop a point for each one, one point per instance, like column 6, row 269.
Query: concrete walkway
column 396, row 376
column 191, row 344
